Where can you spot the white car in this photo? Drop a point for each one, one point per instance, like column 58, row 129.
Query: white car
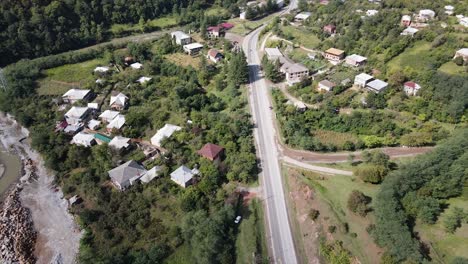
column 238, row 218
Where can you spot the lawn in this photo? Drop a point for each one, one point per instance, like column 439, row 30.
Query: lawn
column 446, row 246
column 453, row 69
column 184, row 60
column 301, row 36
column 417, row 57
column 58, row 80
column 300, row 55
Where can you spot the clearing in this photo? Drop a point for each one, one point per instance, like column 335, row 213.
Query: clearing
column 151, row 25
column 184, row 60
column 417, row 57
column 301, row 36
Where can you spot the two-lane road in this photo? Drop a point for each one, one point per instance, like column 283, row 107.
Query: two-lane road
column 280, row 236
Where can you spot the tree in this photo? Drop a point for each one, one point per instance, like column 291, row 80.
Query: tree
column 238, row 71
column 454, row 220
column 370, row 173
column 358, row 203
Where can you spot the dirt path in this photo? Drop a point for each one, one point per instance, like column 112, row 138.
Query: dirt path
column 57, row 237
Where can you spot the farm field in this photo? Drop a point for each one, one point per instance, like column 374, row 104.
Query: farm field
column 301, row 36
column 184, row 60
column 416, row 57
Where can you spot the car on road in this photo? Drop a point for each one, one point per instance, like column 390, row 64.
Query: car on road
column 238, row 218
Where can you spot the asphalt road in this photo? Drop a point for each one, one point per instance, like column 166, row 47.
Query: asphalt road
column 281, row 240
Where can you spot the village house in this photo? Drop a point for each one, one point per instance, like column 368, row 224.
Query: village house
column 411, row 88
column 301, row 17
column 181, row 38
column 163, row 133
column 74, row 95
column 294, row 72
column 120, row 143
column 449, row 9
column 183, row 176
column 376, row 86
column 117, row 123
column 136, row 66
column 93, row 124
column 193, row 49
column 214, row 55
column 273, row 53
column 334, row 55
column 72, row 129
column 101, row 69
column 362, row 79
column 325, row 86
column 118, row 101
column 108, row 115
column 462, row 53
column 355, row 60
column 83, row 139
column 151, row 174
column 211, row 151
column 102, row 139
column 409, row 31
column 215, row 32
column 144, row 79
column 425, row 15
column 330, row 29
column 406, row 21
column 76, row 115
column 126, row 174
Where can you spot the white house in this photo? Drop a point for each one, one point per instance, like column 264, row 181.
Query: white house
column 406, row 20
column 325, row 85
column 449, row 9
column 426, row 14
column 108, row 115
column 193, row 48
column 183, row 176
column 120, row 143
column 117, row 123
column 118, row 101
column 362, row 79
column 126, row 174
column 409, row 31
column 136, row 65
column 462, row 53
column 144, row 79
column 355, row 60
column 273, row 53
column 376, row 86
column 83, row 139
column 93, row 124
column 101, row 69
column 411, row 88
column 303, row 16
column 181, row 38
column 214, row 55
column 76, row 115
column 295, row 72
column 163, row 133
column 74, row 95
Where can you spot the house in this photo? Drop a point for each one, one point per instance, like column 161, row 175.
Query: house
column 73, row 128
column 74, row 95
column 333, row 54
column 462, row 53
column 183, row 176
column 425, row 15
column 144, row 79
column 330, row 29
column 409, row 31
column 273, row 53
column 151, row 174
column 464, row 21
column 117, row 123
column 214, row 55
column 411, row 88
column 355, row 60
column 371, row 12
column 120, row 143
column 136, row 65
column 126, row 174
column 181, row 38
column 362, row 79
column 101, row 69
column 118, row 101
column 376, row 86
column 325, row 85
column 101, row 139
column 406, row 21
column 301, row 17
column 83, row 139
column 449, row 9
column 93, row 124
column 108, row 115
column 163, row 133
column 76, row 115
column 93, row 106
column 193, row 49
column 211, row 151
column 215, row 32
column 295, row 72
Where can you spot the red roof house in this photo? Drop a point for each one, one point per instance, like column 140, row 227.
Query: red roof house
column 211, row 151
column 330, row 29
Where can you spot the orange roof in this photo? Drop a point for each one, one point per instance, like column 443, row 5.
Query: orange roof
column 210, row 151
column 333, row 51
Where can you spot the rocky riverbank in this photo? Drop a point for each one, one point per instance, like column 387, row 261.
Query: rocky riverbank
column 17, row 234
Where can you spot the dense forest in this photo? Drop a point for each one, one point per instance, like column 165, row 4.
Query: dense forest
column 417, row 192
column 30, row 29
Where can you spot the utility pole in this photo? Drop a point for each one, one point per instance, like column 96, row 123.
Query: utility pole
column 3, row 82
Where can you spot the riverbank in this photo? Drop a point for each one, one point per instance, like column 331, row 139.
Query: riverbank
column 57, row 233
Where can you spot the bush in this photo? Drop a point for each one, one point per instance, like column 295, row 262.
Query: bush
column 459, row 61
column 357, row 203
column 370, row 173
column 314, row 214
column 332, row 229
column 454, row 220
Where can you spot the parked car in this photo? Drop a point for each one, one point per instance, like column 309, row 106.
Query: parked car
column 238, row 218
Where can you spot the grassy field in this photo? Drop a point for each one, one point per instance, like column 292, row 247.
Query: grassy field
column 251, row 237
column 243, row 27
column 301, row 36
column 336, row 138
column 184, row 60
column 58, row 80
column 217, row 11
column 159, row 23
column 446, row 246
column 453, row 69
column 417, row 57
column 181, row 255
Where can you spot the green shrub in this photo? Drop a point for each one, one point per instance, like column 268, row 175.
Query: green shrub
column 314, row 214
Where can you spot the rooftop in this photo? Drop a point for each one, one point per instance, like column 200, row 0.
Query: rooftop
column 76, row 94
column 179, row 35
column 356, row 57
column 210, row 151
column 273, row 52
column 377, row 85
column 327, row 83
column 76, row 111
column 126, row 171
column 118, row 122
column 364, row 76
column 164, row 132
column 182, row 175
column 119, row 142
column 109, row 114
column 144, row 79
column 193, row 46
column 336, row 52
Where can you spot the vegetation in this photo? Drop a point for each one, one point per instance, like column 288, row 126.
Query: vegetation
column 358, row 203
column 418, row 190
